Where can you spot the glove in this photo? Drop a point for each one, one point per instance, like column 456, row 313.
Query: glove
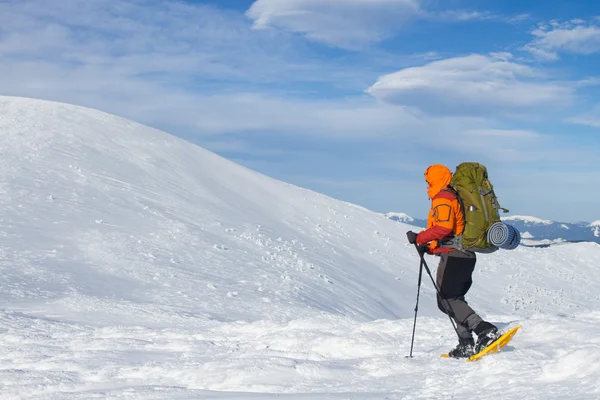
column 412, row 237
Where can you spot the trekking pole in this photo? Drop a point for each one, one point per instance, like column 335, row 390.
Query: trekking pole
column 412, row 341
column 448, row 308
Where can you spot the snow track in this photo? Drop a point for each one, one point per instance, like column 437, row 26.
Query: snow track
column 334, row 355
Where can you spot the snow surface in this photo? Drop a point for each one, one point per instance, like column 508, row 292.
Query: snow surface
column 136, row 265
column 542, row 242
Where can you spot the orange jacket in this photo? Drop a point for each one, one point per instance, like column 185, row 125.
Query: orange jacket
column 445, row 219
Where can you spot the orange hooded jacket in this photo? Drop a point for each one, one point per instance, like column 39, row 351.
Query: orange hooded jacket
column 445, row 218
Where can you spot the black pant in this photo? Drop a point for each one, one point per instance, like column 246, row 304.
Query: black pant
column 454, row 279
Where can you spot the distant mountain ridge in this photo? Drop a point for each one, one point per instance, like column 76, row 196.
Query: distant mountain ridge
column 538, row 229
column 531, row 228
column 407, row 219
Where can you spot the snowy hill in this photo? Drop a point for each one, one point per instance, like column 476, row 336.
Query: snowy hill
column 535, row 230
column 135, row 264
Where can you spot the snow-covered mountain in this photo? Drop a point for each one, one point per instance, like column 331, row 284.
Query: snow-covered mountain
column 595, row 228
column 543, row 230
column 527, row 220
column 135, row 264
column 407, row 219
column 535, row 230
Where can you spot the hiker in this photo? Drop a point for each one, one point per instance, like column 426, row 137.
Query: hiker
column 445, row 223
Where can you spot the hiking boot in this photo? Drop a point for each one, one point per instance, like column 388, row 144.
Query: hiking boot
column 486, row 335
column 464, row 349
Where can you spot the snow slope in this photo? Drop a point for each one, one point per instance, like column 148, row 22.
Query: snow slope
column 136, row 265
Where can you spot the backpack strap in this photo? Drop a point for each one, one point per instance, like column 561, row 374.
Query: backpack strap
column 454, row 242
column 447, row 193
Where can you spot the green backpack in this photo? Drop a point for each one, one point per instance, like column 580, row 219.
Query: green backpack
column 479, row 205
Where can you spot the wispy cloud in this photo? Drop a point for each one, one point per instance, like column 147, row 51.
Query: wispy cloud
column 354, row 24
column 167, row 43
column 163, row 63
column 575, row 36
column 189, row 69
column 509, row 145
column 591, row 118
column 234, row 146
column 512, row 134
column 460, row 15
column 204, row 72
column 353, row 118
column 518, row 18
column 473, row 84
column 348, row 24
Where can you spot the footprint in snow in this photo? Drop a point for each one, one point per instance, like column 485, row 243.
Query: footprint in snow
column 220, row 247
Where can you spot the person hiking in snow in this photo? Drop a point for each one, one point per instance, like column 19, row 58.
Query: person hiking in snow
column 445, row 223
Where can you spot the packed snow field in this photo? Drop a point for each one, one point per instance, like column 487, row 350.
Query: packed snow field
column 136, row 265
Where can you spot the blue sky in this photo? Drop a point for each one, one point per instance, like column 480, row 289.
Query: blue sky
column 352, row 98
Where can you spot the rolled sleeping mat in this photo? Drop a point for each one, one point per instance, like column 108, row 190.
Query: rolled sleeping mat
column 499, row 234
column 503, row 236
column 516, row 239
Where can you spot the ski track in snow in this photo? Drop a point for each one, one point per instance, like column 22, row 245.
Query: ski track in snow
column 136, row 265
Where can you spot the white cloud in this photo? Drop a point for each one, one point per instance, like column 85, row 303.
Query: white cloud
column 199, row 72
column 502, row 134
column 519, row 18
column 466, row 15
column 191, row 70
column 348, row 24
column 591, row 118
column 238, row 146
column 462, row 15
column 167, row 42
column 588, row 120
column 586, row 82
column 575, row 36
column 349, row 119
column 472, row 85
column 167, row 64
column 505, row 145
column 354, row 24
